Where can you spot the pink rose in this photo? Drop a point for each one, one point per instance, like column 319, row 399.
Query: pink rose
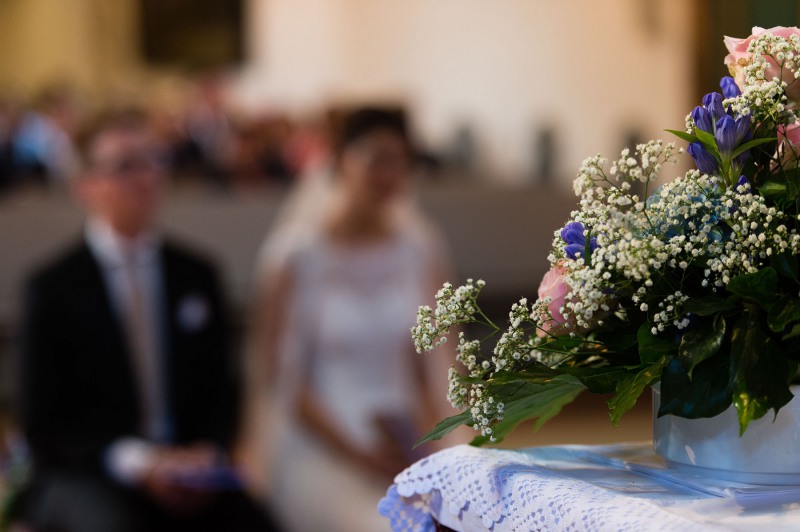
column 738, row 57
column 554, row 287
column 790, row 134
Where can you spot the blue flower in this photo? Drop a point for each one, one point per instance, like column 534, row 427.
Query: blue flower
column 573, row 250
column 702, row 119
column 730, row 134
column 742, row 181
column 726, row 135
column 705, row 162
column 573, row 235
column 729, row 87
column 713, row 102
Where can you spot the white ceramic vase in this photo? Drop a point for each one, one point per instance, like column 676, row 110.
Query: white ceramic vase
column 767, row 453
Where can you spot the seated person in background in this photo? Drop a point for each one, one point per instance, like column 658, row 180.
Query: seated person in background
column 343, row 276
column 128, row 394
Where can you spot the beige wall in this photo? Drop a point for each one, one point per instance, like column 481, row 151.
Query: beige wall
column 593, row 68
column 90, row 43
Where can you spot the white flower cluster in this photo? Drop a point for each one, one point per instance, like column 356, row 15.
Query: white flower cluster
column 453, row 307
column 669, row 313
column 630, row 259
column 783, row 51
column 511, row 347
column 620, row 222
column 764, row 98
column 456, row 306
column 691, row 222
column 758, row 231
column 598, row 190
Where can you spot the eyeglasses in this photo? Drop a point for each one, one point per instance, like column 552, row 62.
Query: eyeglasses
column 132, row 165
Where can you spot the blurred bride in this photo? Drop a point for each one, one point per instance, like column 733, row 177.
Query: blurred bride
column 342, row 275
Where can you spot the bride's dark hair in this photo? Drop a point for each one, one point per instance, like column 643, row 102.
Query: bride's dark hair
column 360, row 122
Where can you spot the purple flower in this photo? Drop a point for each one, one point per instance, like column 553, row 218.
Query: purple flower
column 573, row 250
column 729, row 87
column 573, row 235
column 742, row 181
column 743, row 127
column 731, row 133
column 705, row 162
column 726, row 135
column 713, row 102
column 702, row 119
column 744, row 133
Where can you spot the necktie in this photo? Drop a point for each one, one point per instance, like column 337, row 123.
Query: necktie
column 143, row 337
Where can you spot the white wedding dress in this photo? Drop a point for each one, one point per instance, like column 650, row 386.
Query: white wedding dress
column 348, row 335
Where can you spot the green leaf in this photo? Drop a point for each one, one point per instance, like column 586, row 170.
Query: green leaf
column 794, row 333
column 786, row 265
column 761, row 371
column 783, row 312
column 774, row 190
column 631, row 387
column 701, row 343
column 618, row 341
column 749, row 145
column 759, row 286
column 598, row 380
column 651, row 347
column 792, row 183
column 466, row 379
column 749, row 407
column 536, row 373
column 709, row 305
column 688, row 137
column 446, row 426
column 559, row 344
column 707, row 394
column 532, row 401
column 747, row 342
column 708, row 140
column 765, row 387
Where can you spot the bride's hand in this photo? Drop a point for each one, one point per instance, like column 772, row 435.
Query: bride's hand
column 386, row 461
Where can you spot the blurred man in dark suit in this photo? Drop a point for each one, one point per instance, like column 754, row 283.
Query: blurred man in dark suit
column 128, row 394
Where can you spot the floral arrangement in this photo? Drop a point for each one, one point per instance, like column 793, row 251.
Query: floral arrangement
column 694, row 285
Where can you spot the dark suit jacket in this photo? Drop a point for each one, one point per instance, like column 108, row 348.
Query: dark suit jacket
column 78, row 392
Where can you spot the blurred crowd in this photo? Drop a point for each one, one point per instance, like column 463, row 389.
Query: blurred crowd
column 206, row 140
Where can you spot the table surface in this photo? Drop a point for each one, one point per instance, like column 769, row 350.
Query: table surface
column 577, row 487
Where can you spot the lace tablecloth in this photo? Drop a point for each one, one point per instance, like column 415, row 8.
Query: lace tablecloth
column 571, row 488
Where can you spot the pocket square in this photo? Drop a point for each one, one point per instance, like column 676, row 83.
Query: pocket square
column 194, row 311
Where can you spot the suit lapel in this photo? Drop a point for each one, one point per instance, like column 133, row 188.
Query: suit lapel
column 172, row 292
column 111, row 350
column 97, row 302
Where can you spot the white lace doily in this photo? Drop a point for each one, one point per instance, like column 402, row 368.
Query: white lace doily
column 572, row 488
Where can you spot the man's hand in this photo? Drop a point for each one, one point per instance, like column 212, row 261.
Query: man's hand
column 168, row 480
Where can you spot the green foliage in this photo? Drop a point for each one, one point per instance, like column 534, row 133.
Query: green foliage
column 446, row 426
column 707, row 394
column 631, row 386
column 761, row 374
column 653, row 349
column 696, row 289
column 786, row 265
column 759, row 287
column 701, row 343
column 709, row 305
column 528, row 400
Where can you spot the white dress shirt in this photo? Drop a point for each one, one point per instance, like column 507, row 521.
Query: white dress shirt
column 132, row 273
